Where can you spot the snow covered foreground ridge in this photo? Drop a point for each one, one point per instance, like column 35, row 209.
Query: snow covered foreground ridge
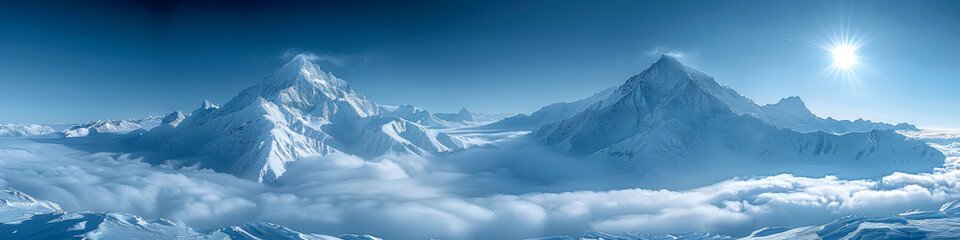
column 23, row 217
column 671, row 116
column 941, row 224
column 299, row 111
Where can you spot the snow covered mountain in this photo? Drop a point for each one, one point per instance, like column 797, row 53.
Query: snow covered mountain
column 790, row 113
column 110, row 126
column 17, row 206
column 23, row 130
column 550, row 114
column 673, row 117
column 23, row 217
column 296, row 112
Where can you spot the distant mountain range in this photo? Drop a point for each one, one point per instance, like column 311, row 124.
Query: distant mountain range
column 463, row 118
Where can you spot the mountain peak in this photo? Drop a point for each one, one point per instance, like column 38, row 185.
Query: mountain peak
column 670, row 67
column 791, row 104
column 301, row 68
column 207, row 105
column 792, row 101
column 299, row 61
column 668, row 60
column 665, row 77
column 464, row 111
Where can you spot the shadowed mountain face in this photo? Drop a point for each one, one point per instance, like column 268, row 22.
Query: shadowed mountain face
column 673, row 117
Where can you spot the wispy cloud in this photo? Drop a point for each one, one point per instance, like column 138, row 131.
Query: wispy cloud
column 337, row 60
column 661, row 50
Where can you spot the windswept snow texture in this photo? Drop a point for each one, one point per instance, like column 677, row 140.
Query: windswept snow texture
column 23, row 217
column 673, row 118
column 23, row 130
column 110, row 126
column 299, row 111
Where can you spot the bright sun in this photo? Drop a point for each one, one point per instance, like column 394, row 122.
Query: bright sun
column 844, row 56
column 843, row 46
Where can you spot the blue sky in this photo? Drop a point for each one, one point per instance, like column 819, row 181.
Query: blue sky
column 65, row 62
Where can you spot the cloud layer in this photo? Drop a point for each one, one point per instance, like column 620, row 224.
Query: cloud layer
column 502, row 192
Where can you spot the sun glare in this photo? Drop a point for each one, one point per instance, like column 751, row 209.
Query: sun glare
column 844, row 56
column 843, row 47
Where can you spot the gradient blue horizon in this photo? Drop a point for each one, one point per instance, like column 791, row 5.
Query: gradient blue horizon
column 81, row 61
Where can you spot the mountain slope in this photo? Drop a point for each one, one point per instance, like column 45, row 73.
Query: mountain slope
column 673, row 117
column 550, row 113
column 16, row 206
column 296, row 112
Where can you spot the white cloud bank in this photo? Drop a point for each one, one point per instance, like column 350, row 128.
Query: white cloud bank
column 480, row 194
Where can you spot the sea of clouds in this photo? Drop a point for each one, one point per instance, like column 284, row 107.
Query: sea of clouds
column 509, row 190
